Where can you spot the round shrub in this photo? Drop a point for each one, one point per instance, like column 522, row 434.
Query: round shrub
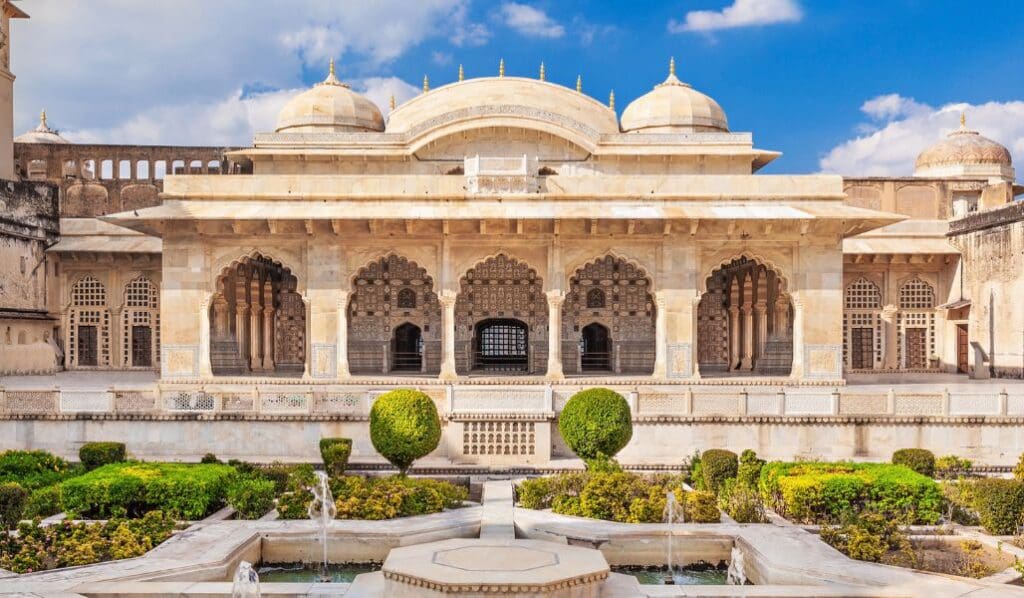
column 95, row 454
column 717, row 466
column 596, row 423
column 1000, row 505
column 335, row 453
column 251, row 497
column 702, row 507
column 12, row 504
column 210, row 458
column 920, row 460
column 404, row 426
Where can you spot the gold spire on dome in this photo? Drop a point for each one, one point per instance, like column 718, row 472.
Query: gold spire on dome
column 332, row 77
column 611, row 100
column 963, row 119
column 672, row 66
column 579, row 83
column 672, row 79
column 462, row 74
column 543, row 77
column 42, row 119
column 426, row 84
column 501, row 68
column 391, row 102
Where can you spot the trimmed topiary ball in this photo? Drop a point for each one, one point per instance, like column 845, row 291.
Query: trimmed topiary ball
column 920, row 460
column 404, row 426
column 96, row 454
column 12, row 504
column 717, row 466
column 596, row 423
column 335, row 453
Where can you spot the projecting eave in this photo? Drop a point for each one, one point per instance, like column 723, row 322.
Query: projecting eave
column 909, row 237
column 432, row 214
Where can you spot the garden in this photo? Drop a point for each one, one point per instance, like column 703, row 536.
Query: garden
column 113, row 507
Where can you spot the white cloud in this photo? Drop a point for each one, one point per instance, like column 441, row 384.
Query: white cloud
column 465, row 32
column 115, row 68
column 530, row 21
column 741, row 13
column 904, row 127
column 441, row 58
column 380, row 89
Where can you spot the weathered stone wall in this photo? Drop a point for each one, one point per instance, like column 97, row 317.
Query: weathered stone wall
column 992, row 244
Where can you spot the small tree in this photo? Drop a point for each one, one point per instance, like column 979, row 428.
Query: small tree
column 96, row 454
column 596, row 423
column 335, row 453
column 920, row 460
column 12, row 504
column 717, row 466
column 404, row 426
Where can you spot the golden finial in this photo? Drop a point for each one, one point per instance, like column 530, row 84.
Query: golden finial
column 391, row 102
column 462, row 74
column 332, row 76
column 426, row 84
column 331, row 73
column 579, row 83
column 542, row 75
column 672, row 66
column 42, row 119
column 963, row 119
column 501, row 68
column 611, row 100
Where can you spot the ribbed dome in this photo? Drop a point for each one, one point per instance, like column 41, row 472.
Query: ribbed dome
column 329, row 107
column 41, row 134
column 963, row 147
column 674, row 107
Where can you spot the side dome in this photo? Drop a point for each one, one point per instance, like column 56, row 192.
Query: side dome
column 329, row 107
column 964, row 152
column 674, row 107
column 41, row 134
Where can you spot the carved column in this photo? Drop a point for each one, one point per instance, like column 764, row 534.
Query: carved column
column 205, row 367
column 241, row 331
column 255, row 337
column 220, row 317
column 734, row 337
column 342, row 346
column 761, row 312
column 890, row 338
column 782, row 317
column 660, row 335
column 268, row 326
column 555, row 301
column 747, row 358
column 447, row 299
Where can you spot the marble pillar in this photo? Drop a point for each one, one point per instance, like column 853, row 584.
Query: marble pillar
column 734, row 337
column 747, row 356
column 342, row 342
column 447, row 299
column 660, row 335
column 555, row 301
column 205, row 365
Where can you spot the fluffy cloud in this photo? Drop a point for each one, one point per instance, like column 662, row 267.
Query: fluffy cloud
column 741, row 13
column 900, row 128
column 530, row 21
column 132, row 71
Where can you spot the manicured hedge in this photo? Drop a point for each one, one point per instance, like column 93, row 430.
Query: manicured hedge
column 34, row 469
column 920, row 460
column 404, row 426
column 335, row 453
column 12, row 504
column 717, row 466
column 185, row 491
column 358, row 497
column 999, row 504
column 98, row 454
column 596, row 423
column 831, row 492
column 251, row 497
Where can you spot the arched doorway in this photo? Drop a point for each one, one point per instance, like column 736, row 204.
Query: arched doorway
column 616, row 293
column 745, row 322
column 501, row 318
column 501, row 345
column 595, row 348
column 257, row 320
column 393, row 295
column 141, row 323
column 407, row 348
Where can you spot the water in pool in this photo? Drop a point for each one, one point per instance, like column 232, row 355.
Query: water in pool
column 683, row 577
column 305, row 572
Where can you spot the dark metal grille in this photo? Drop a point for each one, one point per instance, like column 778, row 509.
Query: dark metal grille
column 88, row 343
column 862, row 355
column 501, row 345
column 142, row 346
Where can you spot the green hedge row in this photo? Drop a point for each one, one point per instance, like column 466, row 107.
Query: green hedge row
column 34, row 469
column 131, row 489
column 814, row 492
column 358, row 497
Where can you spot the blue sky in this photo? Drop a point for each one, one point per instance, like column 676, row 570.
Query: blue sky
column 857, row 87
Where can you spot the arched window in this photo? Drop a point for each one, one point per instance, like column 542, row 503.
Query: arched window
column 88, row 292
column 595, row 299
column 917, row 294
column 89, row 324
column 141, row 323
column 407, row 299
column 863, row 294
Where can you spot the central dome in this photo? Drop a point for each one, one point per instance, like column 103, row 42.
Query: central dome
column 329, row 107
column 41, row 134
column 963, row 152
column 674, row 107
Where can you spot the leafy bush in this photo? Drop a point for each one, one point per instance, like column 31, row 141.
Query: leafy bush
column 252, row 497
column 811, row 492
column 404, row 426
column 741, row 502
column 920, row 460
column 951, row 467
column 716, row 466
column 702, row 507
column 867, row 538
column 541, row 492
column 209, row 458
column 749, row 471
column 1000, row 504
column 12, row 504
column 358, row 497
column 596, row 423
column 335, row 453
column 1018, row 470
column 43, row 502
column 97, row 454
column 33, row 469
column 131, row 489
column 67, row 544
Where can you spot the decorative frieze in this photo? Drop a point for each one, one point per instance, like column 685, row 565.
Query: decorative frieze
column 498, row 437
column 86, row 401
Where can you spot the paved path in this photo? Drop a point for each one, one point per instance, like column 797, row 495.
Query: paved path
column 498, row 512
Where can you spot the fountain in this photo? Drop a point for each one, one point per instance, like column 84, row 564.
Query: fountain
column 246, row 583
column 322, row 512
column 737, row 575
column 674, row 513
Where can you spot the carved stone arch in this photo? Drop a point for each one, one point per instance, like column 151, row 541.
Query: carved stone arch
column 783, row 273
column 292, row 262
column 915, row 284
column 87, row 277
column 375, row 256
column 467, row 264
column 460, row 125
column 140, row 322
column 591, row 257
column 862, row 293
